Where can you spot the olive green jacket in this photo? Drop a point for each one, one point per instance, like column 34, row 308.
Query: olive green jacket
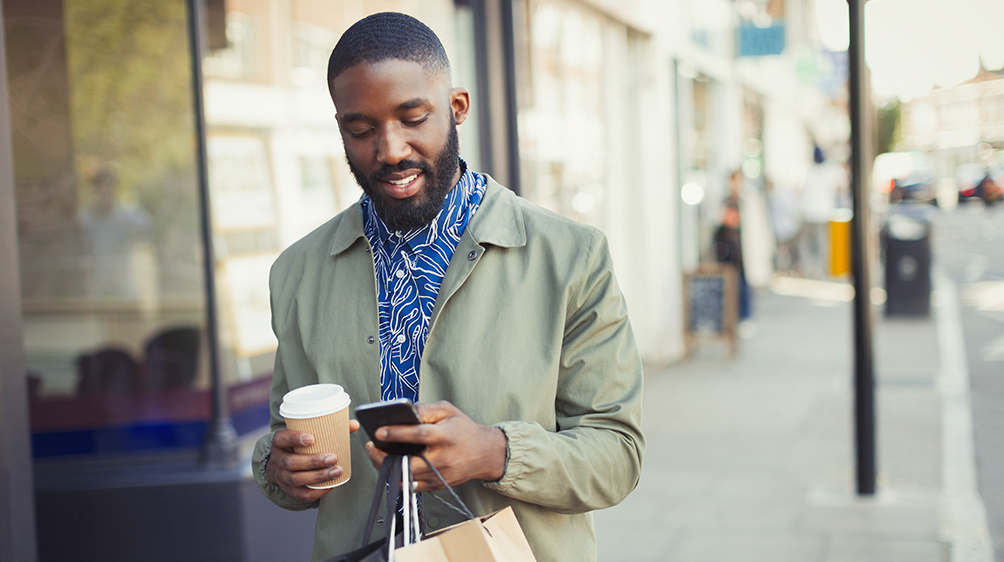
column 529, row 333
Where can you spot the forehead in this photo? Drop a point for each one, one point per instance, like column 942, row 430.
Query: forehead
column 371, row 87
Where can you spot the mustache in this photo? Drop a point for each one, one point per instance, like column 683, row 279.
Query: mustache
column 401, row 166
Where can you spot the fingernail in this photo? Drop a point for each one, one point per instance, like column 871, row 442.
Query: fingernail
column 335, row 472
column 381, row 433
column 306, row 440
column 330, row 460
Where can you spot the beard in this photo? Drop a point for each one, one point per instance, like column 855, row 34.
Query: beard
column 421, row 208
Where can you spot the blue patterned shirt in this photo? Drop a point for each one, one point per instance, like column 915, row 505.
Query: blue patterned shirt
column 409, row 270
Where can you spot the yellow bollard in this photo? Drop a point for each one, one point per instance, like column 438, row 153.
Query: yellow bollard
column 840, row 242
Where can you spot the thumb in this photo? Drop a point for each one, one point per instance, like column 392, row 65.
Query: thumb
column 433, row 412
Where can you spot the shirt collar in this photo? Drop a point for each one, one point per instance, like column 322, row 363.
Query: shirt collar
column 499, row 221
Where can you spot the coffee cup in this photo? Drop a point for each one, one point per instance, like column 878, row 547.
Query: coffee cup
column 321, row 410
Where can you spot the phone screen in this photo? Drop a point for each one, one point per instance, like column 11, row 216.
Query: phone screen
column 392, row 412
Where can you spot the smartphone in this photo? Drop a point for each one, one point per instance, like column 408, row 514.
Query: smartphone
column 389, row 412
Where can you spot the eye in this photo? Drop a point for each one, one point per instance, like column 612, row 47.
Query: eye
column 360, row 133
column 415, row 122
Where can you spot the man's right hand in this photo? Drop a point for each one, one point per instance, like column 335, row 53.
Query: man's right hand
column 292, row 471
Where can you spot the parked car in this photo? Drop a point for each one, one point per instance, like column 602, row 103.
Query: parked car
column 978, row 182
column 917, row 186
column 904, row 176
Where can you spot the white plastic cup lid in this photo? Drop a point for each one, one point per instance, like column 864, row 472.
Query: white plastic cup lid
column 313, row 400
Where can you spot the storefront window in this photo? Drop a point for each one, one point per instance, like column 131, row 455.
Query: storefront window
column 108, row 225
column 110, row 234
column 579, row 123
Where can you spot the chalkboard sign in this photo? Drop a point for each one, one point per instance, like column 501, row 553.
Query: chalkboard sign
column 707, row 303
column 710, row 305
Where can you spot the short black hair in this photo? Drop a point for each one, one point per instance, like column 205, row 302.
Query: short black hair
column 387, row 35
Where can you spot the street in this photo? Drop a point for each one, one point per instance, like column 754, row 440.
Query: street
column 968, row 244
column 753, row 458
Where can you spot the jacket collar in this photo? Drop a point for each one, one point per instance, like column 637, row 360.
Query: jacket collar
column 498, row 221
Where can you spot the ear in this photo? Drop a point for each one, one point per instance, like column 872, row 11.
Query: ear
column 460, row 104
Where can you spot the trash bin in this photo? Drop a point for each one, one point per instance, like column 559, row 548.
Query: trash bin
column 906, row 241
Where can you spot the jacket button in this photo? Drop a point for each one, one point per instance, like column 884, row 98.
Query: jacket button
column 379, row 520
column 370, row 339
column 472, row 256
column 434, row 522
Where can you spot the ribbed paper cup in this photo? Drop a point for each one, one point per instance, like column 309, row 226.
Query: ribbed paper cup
column 321, row 410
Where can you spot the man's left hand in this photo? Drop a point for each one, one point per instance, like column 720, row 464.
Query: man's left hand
column 460, row 448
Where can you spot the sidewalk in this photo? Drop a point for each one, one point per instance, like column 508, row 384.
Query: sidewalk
column 752, row 459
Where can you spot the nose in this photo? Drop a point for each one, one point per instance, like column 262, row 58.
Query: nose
column 392, row 146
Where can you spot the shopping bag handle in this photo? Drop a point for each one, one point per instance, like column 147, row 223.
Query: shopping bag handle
column 461, row 507
column 390, row 471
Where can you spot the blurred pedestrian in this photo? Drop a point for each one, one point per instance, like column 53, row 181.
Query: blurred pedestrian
column 113, row 233
column 727, row 242
column 819, row 202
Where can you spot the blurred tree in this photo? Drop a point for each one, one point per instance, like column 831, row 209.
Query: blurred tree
column 888, row 126
column 130, row 88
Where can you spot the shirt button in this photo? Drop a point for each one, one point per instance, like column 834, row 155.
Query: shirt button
column 472, row 256
column 434, row 522
column 370, row 339
column 399, row 273
column 401, row 338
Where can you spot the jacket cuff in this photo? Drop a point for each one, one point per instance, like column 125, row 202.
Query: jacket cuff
column 513, row 454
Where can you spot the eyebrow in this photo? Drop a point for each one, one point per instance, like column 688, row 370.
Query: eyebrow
column 413, row 103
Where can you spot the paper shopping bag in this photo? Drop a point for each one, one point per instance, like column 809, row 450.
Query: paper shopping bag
column 495, row 538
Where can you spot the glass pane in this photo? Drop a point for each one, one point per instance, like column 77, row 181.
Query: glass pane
column 108, row 224
column 108, row 203
column 565, row 132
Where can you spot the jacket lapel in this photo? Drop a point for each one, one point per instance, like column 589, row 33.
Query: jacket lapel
column 497, row 222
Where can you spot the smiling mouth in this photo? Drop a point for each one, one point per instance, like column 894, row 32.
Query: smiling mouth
column 403, row 182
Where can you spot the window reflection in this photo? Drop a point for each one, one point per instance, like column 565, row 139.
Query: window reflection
column 108, row 224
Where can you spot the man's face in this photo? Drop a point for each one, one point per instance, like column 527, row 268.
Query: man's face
column 398, row 124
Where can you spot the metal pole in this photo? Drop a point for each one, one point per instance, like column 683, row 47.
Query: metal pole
column 512, row 107
column 483, row 101
column 220, row 446
column 864, row 380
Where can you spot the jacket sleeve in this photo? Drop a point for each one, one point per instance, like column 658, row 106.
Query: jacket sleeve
column 289, row 357
column 594, row 459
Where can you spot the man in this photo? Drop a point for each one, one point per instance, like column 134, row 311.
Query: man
column 501, row 320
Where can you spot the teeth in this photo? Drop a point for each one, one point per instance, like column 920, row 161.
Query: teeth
column 403, row 182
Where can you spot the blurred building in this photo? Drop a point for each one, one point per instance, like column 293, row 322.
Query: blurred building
column 141, row 403
column 957, row 126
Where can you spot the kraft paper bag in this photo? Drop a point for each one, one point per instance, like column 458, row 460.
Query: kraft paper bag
column 495, row 538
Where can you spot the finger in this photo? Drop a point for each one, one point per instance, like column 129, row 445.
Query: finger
column 433, row 412
column 353, row 426
column 376, row 455
column 298, row 480
column 287, row 439
column 424, row 434
column 295, row 462
column 425, row 480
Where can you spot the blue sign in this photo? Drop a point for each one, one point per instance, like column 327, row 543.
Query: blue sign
column 760, row 41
